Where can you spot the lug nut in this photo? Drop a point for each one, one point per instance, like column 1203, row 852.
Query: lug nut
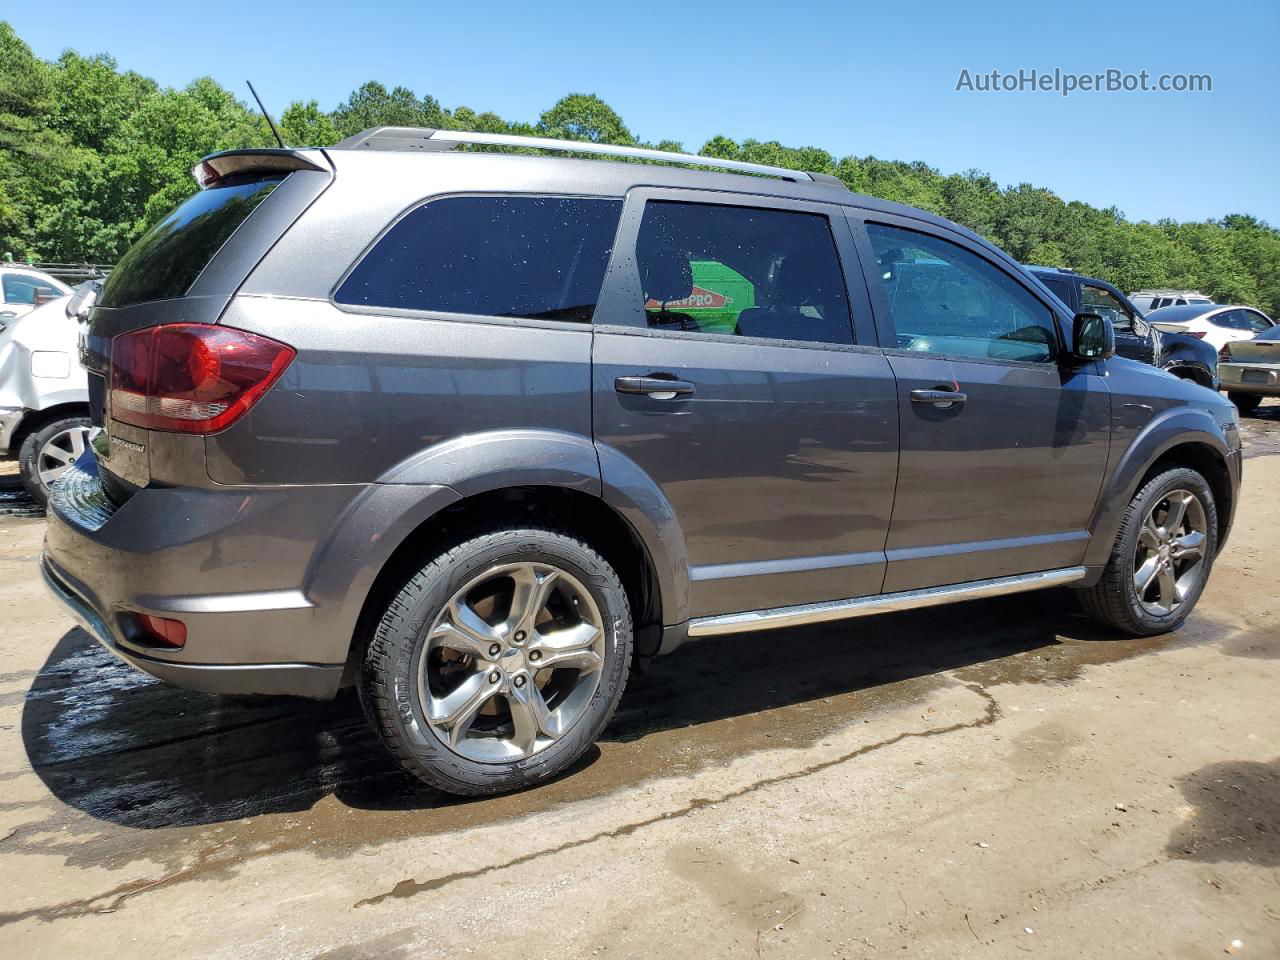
column 495, row 677
column 535, row 655
column 494, row 649
column 519, row 681
column 519, row 636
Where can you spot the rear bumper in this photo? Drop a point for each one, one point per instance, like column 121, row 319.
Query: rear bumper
column 291, row 679
column 1262, row 379
column 232, row 565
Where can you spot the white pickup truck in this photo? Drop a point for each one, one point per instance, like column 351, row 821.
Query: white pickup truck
column 44, row 394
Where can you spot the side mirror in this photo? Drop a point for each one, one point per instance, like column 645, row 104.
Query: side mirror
column 1092, row 337
column 83, row 299
column 1141, row 327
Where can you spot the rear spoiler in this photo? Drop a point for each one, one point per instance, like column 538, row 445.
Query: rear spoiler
column 229, row 163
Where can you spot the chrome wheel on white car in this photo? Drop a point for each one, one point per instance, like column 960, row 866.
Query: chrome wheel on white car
column 49, row 452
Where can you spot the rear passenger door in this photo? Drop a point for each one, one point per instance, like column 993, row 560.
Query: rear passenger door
column 732, row 366
column 1004, row 445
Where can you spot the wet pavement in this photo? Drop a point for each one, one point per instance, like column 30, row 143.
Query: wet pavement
column 947, row 782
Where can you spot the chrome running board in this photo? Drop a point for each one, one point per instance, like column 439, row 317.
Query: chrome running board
column 881, row 603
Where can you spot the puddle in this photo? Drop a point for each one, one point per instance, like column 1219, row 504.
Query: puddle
column 16, row 502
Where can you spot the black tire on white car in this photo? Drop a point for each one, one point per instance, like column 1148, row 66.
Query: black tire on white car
column 49, row 451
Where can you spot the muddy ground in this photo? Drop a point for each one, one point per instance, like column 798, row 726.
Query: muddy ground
column 993, row 779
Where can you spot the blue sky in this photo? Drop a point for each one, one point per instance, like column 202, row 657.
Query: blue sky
column 863, row 78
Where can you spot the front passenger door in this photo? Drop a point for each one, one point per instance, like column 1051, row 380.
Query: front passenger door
column 1003, row 443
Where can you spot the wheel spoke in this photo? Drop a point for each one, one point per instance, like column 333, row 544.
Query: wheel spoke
column 1189, row 546
column 458, row 710
column 463, row 630
column 529, row 716
column 77, row 444
column 1168, row 588
column 532, row 588
column 54, row 452
column 1149, row 535
column 1143, row 576
column 571, row 647
column 1177, row 512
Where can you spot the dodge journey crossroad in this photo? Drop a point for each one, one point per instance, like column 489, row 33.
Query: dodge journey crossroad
column 478, row 431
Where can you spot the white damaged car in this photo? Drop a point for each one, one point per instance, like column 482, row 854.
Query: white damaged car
column 44, row 394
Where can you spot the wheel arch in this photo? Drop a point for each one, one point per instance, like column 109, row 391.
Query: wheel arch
column 1186, row 438
column 37, row 419
column 473, row 482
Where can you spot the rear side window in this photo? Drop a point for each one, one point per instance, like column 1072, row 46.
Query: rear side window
column 166, row 261
column 22, row 289
column 741, row 271
column 536, row 257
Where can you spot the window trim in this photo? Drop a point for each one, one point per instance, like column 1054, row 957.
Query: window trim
column 858, row 220
column 415, row 313
column 620, row 309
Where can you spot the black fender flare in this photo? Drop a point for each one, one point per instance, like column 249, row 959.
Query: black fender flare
column 1167, row 430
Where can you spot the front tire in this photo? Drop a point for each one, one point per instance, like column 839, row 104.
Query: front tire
column 49, row 452
column 498, row 664
column 1161, row 559
column 1246, row 403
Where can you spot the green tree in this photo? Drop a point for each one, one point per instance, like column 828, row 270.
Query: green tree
column 306, row 125
column 584, row 116
column 372, row 105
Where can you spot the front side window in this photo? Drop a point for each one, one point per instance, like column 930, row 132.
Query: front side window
column 519, row 256
column 1097, row 300
column 742, row 271
column 946, row 300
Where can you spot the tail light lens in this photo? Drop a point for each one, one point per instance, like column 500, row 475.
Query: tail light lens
column 1196, row 334
column 1224, row 355
column 191, row 377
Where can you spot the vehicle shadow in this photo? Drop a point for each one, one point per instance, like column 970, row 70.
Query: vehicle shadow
column 126, row 749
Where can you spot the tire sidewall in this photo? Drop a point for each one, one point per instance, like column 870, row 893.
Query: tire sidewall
column 422, row 606
column 1144, row 501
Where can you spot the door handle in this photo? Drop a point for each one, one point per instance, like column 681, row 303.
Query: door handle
column 943, row 399
column 659, row 388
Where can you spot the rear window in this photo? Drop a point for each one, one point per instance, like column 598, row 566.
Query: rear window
column 169, row 257
column 536, row 257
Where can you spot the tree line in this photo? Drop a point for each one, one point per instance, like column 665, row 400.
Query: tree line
column 91, row 156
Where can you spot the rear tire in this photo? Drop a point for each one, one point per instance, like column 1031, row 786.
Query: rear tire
column 1167, row 541
column 1246, row 403
column 48, row 452
column 499, row 663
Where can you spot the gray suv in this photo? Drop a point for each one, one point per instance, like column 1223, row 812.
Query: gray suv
column 479, row 431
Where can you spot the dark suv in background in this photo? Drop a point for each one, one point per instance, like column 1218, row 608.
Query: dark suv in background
column 1136, row 339
column 477, row 431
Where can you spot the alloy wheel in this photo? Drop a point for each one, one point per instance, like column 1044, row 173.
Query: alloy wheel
column 1170, row 558
column 511, row 662
column 59, row 452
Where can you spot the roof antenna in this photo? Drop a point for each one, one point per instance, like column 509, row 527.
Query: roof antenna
column 279, row 139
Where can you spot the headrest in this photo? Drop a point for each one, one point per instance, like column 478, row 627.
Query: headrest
column 666, row 274
column 801, row 281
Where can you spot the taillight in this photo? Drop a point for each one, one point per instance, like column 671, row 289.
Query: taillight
column 1224, row 355
column 1196, row 334
column 191, row 377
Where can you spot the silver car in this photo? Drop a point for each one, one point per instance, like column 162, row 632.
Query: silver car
column 1250, row 370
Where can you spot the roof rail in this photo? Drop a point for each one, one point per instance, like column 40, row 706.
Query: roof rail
column 426, row 138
